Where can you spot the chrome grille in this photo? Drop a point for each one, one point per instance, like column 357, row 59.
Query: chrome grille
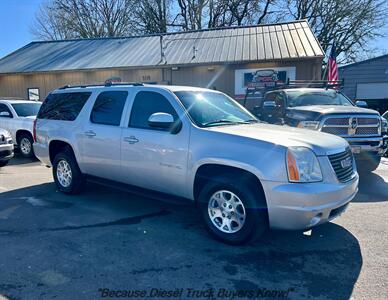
column 367, row 130
column 336, row 130
column 350, row 126
column 344, row 173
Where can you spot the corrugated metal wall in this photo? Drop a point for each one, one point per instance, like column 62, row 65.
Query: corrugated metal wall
column 375, row 70
column 219, row 76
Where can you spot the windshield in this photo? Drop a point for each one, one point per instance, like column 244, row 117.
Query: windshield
column 214, row 109
column 328, row 97
column 26, row 109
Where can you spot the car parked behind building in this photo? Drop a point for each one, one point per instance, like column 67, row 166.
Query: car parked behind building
column 6, row 147
column 17, row 116
column 200, row 145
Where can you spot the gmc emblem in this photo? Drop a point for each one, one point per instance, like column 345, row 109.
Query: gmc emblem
column 346, row 163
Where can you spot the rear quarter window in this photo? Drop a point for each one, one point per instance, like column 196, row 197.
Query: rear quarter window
column 63, row 106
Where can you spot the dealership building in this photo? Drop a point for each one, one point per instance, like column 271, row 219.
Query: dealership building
column 226, row 59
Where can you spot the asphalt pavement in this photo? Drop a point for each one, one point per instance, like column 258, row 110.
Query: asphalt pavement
column 106, row 243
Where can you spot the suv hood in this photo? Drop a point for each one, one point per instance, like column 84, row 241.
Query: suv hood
column 321, row 143
column 334, row 109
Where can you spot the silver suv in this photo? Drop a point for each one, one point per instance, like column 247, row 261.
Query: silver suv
column 200, row 145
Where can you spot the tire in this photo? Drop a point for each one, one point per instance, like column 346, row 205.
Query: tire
column 25, row 142
column 368, row 163
column 253, row 202
column 4, row 163
column 69, row 178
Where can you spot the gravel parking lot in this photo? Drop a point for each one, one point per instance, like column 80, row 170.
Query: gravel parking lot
column 74, row 247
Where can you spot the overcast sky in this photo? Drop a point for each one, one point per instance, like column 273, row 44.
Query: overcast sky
column 16, row 17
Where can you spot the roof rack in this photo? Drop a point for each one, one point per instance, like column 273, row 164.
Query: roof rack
column 290, row 84
column 108, row 84
column 327, row 84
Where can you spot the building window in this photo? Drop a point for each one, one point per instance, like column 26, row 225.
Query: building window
column 33, row 94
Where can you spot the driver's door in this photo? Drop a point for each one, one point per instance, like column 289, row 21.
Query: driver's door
column 154, row 158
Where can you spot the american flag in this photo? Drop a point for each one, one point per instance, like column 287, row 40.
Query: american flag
column 332, row 73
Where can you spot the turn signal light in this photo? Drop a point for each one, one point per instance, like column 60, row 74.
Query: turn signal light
column 293, row 173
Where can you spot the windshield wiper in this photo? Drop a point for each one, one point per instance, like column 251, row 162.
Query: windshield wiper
column 222, row 121
column 226, row 121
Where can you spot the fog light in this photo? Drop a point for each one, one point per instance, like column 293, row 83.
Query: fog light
column 314, row 221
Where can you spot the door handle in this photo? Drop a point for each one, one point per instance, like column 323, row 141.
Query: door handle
column 131, row 139
column 90, row 133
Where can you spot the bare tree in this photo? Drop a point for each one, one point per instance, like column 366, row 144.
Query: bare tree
column 152, row 16
column 348, row 24
column 63, row 19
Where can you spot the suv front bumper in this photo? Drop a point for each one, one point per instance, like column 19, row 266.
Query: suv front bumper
column 6, row 152
column 304, row 205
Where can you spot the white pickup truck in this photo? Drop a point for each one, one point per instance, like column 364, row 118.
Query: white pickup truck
column 17, row 117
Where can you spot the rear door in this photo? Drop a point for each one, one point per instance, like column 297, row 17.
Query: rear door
column 154, row 158
column 100, row 138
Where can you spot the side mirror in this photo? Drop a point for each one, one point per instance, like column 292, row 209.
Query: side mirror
column 5, row 114
column 161, row 120
column 362, row 104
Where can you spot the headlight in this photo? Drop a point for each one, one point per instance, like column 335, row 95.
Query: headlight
column 308, row 124
column 384, row 125
column 303, row 165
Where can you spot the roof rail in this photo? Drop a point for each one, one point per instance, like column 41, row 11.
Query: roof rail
column 108, row 84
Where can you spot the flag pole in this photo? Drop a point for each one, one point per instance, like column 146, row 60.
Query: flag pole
column 327, row 61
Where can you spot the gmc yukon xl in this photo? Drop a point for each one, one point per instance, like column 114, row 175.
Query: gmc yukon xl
column 199, row 145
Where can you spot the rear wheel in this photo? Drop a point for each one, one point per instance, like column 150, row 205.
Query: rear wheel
column 67, row 175
column 25, row 142
column 233, row 211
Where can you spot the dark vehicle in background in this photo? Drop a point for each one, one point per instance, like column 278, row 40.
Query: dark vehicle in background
column 384, row 118
column 328, row 110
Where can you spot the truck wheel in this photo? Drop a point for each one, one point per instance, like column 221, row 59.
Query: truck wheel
column 67, row 175
column 4, row 163
column 25, row 145
column 233, row 212
column 368, row 164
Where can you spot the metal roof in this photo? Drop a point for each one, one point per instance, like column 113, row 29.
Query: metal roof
column 283, row 41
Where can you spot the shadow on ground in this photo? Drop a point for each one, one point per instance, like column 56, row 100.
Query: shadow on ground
column 109, row 238
column 372, row 188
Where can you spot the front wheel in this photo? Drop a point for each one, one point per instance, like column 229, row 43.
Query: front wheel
column 25, row 142
column 67, row 175
column 367, row 163
column 4, row 163
column 233, row 212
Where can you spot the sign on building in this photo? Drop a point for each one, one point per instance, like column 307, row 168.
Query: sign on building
column 260, row 79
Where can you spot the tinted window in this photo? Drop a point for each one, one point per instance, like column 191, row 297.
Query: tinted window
column 108, row 108
column 326, row 97
column 26, row 109
column 4, row 108
column 63, row 106
column 146, row 104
